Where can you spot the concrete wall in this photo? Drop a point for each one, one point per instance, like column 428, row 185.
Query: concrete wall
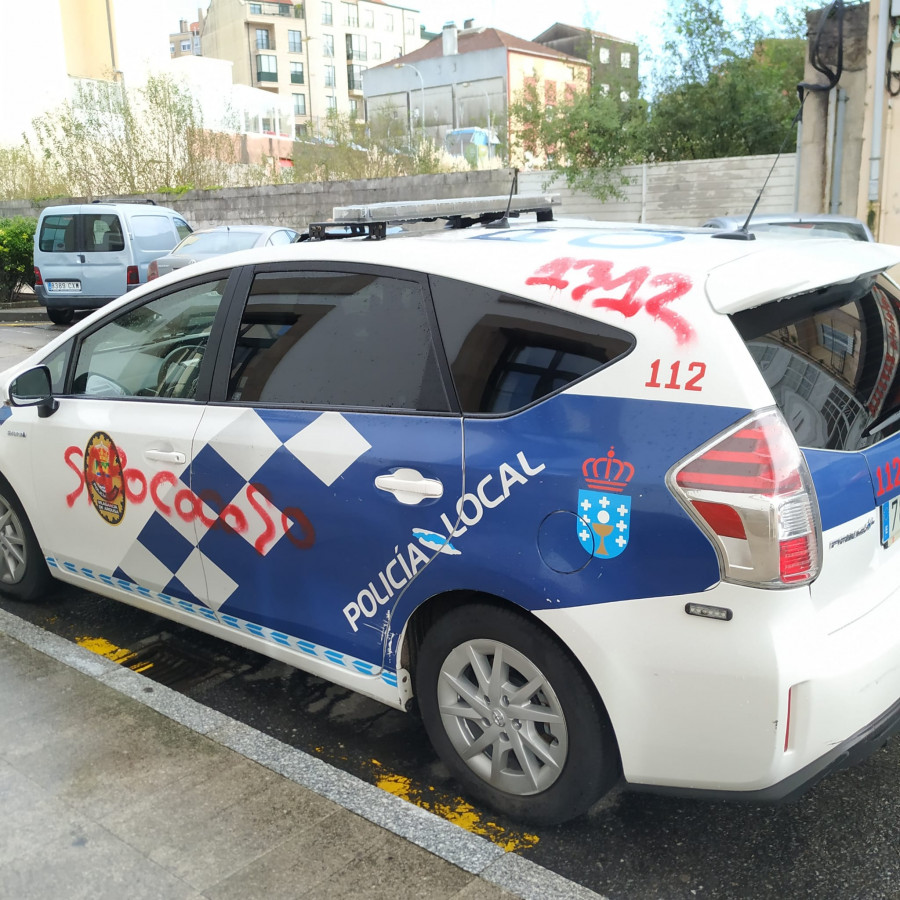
column 296, row 205
column 684, row 193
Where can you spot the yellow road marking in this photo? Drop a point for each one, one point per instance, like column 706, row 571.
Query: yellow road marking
column 103, row 647
column 455, row 810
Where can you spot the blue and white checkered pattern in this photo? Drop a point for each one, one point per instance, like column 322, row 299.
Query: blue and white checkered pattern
column 269, row 635
column 180, row 555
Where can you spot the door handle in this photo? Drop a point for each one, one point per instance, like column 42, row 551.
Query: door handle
column 409, row 486
column 169, row 456
column 80, row 257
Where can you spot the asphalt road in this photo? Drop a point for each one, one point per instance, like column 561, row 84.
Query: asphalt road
column 841, row 840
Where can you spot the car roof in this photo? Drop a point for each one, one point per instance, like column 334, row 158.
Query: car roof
column 733, row 274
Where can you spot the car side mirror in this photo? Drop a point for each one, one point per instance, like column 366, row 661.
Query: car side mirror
column 33, row 388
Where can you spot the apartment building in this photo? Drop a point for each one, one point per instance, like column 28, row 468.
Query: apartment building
column 459, row 87
column 315, row 52
column 614, row 60
column 185, row 41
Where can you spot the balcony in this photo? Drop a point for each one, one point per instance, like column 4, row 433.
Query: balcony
column 266, row 76
column 272, row 9
column 297, row 78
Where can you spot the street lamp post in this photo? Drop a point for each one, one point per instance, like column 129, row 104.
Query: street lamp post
column 422, row 84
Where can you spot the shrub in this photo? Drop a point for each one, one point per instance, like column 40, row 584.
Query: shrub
column 16, row 255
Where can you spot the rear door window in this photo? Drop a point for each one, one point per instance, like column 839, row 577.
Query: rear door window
column 57, row 234
column 831, row 360
column 506, row 353
column 102, row 233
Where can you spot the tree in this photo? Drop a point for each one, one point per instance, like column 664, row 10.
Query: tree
column 109, row 140
column 586, row 139
column 721, row 89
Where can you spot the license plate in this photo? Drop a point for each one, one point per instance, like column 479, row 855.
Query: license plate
column 890, row 521
column 60, row 286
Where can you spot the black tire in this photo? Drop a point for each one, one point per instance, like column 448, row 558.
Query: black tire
column 547, row 771
column 23, row 569
column 61, row 316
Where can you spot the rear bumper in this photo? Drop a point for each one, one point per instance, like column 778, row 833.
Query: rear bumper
column 854, row 750
column 70, row 301
column 757, row 708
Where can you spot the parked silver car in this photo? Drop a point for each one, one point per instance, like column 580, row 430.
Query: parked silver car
column 207, row 242
column 818, row 225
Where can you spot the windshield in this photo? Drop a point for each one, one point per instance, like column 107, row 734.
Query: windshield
column 212, row 243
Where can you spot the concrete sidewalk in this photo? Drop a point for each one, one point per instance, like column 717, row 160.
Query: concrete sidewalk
column 112, row 785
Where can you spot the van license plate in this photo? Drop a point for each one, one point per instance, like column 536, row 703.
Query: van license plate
column 63, row 286
column 890, row 521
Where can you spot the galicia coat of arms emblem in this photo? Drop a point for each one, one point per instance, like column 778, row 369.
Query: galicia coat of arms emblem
column 604, row 512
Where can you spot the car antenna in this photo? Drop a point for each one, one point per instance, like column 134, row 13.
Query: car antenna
column 503, row 221
column 804, row 89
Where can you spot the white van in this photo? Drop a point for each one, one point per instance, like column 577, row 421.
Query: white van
column 88, row 254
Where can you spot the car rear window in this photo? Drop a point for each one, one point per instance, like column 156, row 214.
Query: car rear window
column 215, row 242
column 57, row 234
column 506, row 353
column 831, row 360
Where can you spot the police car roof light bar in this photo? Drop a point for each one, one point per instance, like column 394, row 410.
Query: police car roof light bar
column 371, row 219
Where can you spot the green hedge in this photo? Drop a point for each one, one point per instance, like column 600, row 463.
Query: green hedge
column 16, row 256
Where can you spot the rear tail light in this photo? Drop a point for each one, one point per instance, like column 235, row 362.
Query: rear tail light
column 131, row 276
column 152, row 271
column 750, row 490
column 37, row 277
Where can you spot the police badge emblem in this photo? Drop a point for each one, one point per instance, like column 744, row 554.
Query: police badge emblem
column 604, row 512
column 104, row 477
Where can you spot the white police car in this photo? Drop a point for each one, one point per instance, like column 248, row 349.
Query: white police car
column 611, row 503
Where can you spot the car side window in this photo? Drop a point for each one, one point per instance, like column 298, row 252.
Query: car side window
column 506, row 353
column 182, row 228
column 336, row 339
column 152, row 350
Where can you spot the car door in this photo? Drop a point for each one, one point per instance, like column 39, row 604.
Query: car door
column 111, row 464
column 332, row 437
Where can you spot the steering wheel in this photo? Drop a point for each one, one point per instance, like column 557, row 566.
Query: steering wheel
column 177, row 376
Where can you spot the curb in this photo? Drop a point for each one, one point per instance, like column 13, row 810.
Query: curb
column 19, row 313
column 470, row 852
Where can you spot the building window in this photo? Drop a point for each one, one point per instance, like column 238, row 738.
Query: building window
column 398, row 51
column 604, row 89
column 388, row 22
column 295, row 41
column 375, row 52
column 624, row 96
column 332, row 102
column 171, row 48
column 297, row 73
column 262, row 39
column 604, row 55
column 299, row 11
column 299, row 104
column 368, row 18
column 185, row 46
column 327, row 45
column 329, row 76
column 256, row 9
column 356, row 47
column 354, row 77
column 266, row 67
column 327, row 15
column 354, row 108
column 409, row 26
column 350, row 15
column 625, row 59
